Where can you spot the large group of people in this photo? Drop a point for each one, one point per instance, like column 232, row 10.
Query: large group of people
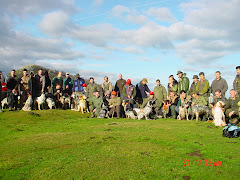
column 178, row 92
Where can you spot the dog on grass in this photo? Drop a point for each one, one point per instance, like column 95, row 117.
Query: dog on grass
column 28, row 103
column 50, row 102
column 218, row 114
column 183, row 111
column 165, row 108
column 145, row 112
column 65, row 99
column 40, row 100
column 128, row 109
column 104, row 111
column 9, row 101
column 82, row 104
column 197, row 110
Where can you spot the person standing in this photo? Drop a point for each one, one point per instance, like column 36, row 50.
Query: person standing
column 78, row 84
column 141, row 89
column 68, row 84
column 193, row 85
column 12, row 85
column 46, row 83
column 129, row 91
column 236, row 82
column 33, row 87
column 202, row 87
column 119, row 85
column 160, row 92
column 39, row 84
column 172, row 84
column 24, row 88
column 183, row 82
column 219, row 83
column 57, row 81
column 106, row 85
column 114, row 105
column 91, row 88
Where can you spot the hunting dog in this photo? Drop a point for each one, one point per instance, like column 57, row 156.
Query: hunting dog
column 9, row 101
column 128, row 109
column 50, row 102
column 197, row 110
column 104, row 111
column 65, row 99
column 82, row 104
column 40, row 100
column 165, row 108
column 218, row 114
column 28, row 103
column 145, row 112
column 183, row 111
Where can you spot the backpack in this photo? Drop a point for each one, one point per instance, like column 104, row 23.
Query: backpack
column 231, row 131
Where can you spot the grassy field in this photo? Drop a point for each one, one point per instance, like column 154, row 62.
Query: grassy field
column 60, row 144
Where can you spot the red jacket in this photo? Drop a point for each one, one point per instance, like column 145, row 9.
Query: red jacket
column 4, row 86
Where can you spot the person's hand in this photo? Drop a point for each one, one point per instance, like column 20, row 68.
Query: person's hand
column 231, row 113
column 142, row 111
column 67, row 87
column 94, row 110
column 21, row 82
column 58, row 91
column 129, row 96
column 111, row 106
column 13, row 91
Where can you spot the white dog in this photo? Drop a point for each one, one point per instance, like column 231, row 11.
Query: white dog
column 145, row 112
column 218, row 114
column 28, row 103
column 50, row 102
column 40, row 100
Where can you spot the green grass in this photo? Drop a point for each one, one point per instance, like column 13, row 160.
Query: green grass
column 62, row 144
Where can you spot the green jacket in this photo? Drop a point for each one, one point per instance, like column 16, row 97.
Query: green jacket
column 183, row 84
column 203, row 88
column 236, row 84
column 160, row 93
column 69, row 82
column 174, row 88
column 223, row 99
column 91, row 88
column 116, row 101
column 232, row 104
column 96, row 102
column 156, row 103
column 181, row 100
column 192, row 88
column 201, row 101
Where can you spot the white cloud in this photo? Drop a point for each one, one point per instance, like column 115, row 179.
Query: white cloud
column 97, row 2
column 136, row 19
column 119, row 10
column 161, row 14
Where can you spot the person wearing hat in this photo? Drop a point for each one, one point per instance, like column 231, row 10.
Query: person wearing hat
column 95, row 103
column 193, row 85
column 203, row 86
column 232, row 106
column 141, row 89
column 119, row 85
column 219, row 83
column 114, row 104
column 155, row 104
column 77, row 84
column 106, row 85
column 160, row 92
column 129, row 91
column 84, row 85
column 236, row 82
column 92, row 87
column 183, row 82
column 57, row 81
column 67, row 84
column 23, row 87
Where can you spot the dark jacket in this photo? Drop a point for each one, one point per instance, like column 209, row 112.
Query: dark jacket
column 129, row 91
column 77, row 85
column 141, row 90
column 193, row 88
column 236, row 84
column 12, row 83
column 119, row 86
column 220, row 84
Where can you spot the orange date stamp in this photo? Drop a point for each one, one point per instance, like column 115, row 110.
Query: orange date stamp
column 201, row 162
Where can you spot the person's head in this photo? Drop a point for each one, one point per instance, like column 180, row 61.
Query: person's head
column 128, row 82
column 114, row 94
column 31, row 74
column 40, row 71
column 46, row 73
column 13, row 73
column 67, row 75
column 202, row 75
column 158, row 82
column 195, row 95
column 97, row 94
column 107, row 93
column 233, row 93
column 105, row 79
column 25, row 72
column 0, row 73
column 218, row 93
column 91, row 80
column 151, row 95
column 120, row 76
column 77, row 76
column 183, row 94
column 59, row 74
column 195, row 78
column 238, row 70
column 171, row 79
column 171, row 93
column 180, row 74
column 144, row 81
column 218, row 74
column 58, row 86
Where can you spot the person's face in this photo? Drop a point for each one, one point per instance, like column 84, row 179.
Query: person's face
column 195, row 80
column 151, row 96
column 12, row 73
column 158, row 83
column 113, row 96
column 171, row 80
column 171, row 94
column 184, row 95
column 217, row 75
column 59, row 74
column 143, row 82
column 67, row 75
column 97, row 94
column 238, row 71
column 120, row 76
column 106, row 79
column 40, row 72
column 180, row 75
column 24, row 73
column 218, row 94
column 202, row 77
column 194, row 95
column 91, row 81
column 232, row 94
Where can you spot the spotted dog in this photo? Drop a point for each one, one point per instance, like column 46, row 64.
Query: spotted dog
column 28, row 103
column 183, row 111
column 128, row 109
column 50, row 102
column 165, row 108
column 197, row 110
column 145, row 112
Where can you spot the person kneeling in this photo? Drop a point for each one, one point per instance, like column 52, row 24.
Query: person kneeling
column 114, row 104
column 95, row 104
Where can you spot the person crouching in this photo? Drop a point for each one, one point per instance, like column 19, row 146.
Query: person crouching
column 114, row 105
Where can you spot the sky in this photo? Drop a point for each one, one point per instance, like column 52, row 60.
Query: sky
column 137, row 38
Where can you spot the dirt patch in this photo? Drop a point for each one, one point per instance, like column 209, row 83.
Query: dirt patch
column 92, row 137
column 107, row 130
column 209, row 127
column 146, row 153
column 186, row 177
column 109, row 137
column 113, row 123
column 232, row 142
column 184, row 140
column 196, row 153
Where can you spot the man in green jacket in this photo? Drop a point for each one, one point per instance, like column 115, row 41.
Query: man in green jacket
column 232, row 108
column 91, row 88
column 203, row 86
column 160, row 92
column 114, row 104
column 194, row 84
column 95, row 104
column 236, row 82
column 183, row 82
column 199, row 100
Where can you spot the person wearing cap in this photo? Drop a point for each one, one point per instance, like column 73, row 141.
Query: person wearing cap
column 78, row 84
column 67, row 84
column 203, row 86
column 106, row 85
column 232, row 106
column 23, row 87
column 57, row 81
column 219, row 83
column 141, row 89
column 92, row 87
column 119, row 85
column 12, row 85
column 114, row 104
column 84, row 85
column 172, row 84
column 173, row 99
column 95, row 103
column 236, row 82
column 129, row 91
column 183, row 82
column 160, row 92
column 193, row 85
column 155, row 103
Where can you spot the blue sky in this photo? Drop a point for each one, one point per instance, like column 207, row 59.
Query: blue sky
column 144, row 38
